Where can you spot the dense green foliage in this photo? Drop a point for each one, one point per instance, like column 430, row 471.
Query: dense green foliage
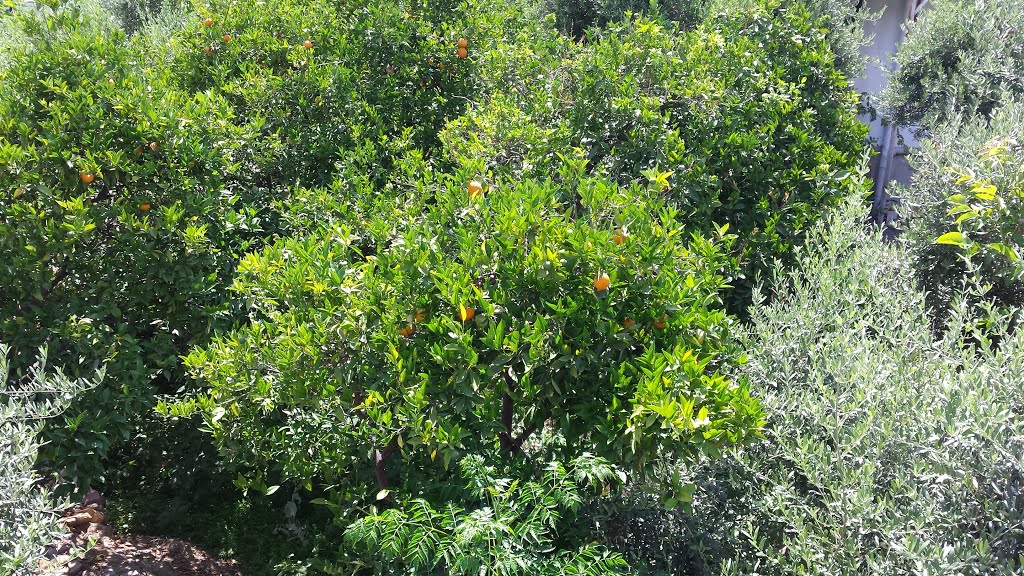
column 575, row 17
column 476, row 322
column 967, row 182
column 114, row 231
column 962, row 58
column 453, row 290
column 27, row 510
column 746, row 121
column 511, row 529
column 987, row 206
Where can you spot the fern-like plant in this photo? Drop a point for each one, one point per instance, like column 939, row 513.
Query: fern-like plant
column 504, row 527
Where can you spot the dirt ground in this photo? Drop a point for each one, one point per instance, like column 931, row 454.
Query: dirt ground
column 90, row 548
column 132, row 555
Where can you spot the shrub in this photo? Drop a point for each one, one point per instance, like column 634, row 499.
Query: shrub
column 745, row 122
column 957, row 162
column 511, row 530
column 115, row 236
column 379, row 79
column 988, row 205
column 27, row 511
column 469, row 323
column 575, row 17
column 962, row 58
column 842, row 23
column 887, row 451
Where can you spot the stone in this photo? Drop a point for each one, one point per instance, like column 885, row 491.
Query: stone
column 99, row 531
column 94, row 497
column 76, row 566
column 95, row 515
column 76, row 520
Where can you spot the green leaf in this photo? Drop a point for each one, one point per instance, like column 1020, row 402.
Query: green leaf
column 952, row 238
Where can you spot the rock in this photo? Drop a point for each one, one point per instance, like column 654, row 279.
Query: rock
column 98, row 531
column 57, row 549
column 175, row 548
column 95, row 515
column 76, row 520
column 94, row 497
column 76, row 566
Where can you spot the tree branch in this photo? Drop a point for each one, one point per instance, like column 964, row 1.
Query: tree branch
column 380, row 459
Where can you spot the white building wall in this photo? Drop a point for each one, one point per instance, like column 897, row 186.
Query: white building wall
column 886, row 34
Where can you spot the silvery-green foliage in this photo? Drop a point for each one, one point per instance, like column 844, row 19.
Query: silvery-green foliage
column 27, row 511
column 956, row 148
column 962, row 58
column 888, row 451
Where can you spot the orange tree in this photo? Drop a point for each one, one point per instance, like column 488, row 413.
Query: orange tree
column 747, row 120
column 525, row 321
column 112, row 227
column 327, row 88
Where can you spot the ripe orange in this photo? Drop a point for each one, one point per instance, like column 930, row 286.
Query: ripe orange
column 441, row 66
column 475, row 189
column 208, row 22
column 227, row 38
column 406, row 331
column 462, row 52
column 87, row 177
column 420, row 315
column 463, row 43
column 602, row 282
column 661, row 323
column 307, row 44
column 620, row 236
column 144, row 207
column 208, row 50
column 153, row 146
column 628, row 322
column 139, row 150
column 465, row 313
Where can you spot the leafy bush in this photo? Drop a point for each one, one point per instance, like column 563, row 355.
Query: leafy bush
column 888, row 451
column 962, row 58
column 956, row 163
column 574, row 17
column 842, row 22
column 378, row 79
column 510, row 531
column 746, row 121
column 472, row 324
column 115, row 236
column 988, row 206
column 27, row 510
